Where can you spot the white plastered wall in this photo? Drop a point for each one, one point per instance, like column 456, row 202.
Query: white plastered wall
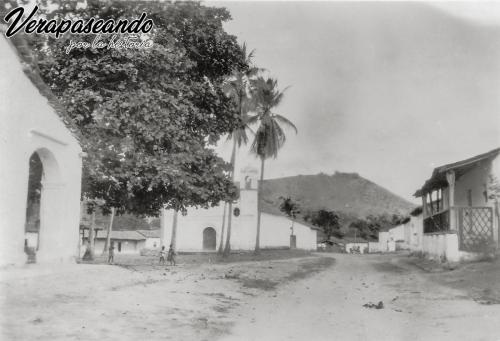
column 30, row 124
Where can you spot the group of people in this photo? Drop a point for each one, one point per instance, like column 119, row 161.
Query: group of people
column 170, row 255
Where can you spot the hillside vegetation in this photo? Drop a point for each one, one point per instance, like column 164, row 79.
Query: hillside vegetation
column 346, row 193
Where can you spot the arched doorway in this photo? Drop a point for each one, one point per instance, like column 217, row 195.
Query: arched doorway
column 209, row 239
column 32, row 223
column 44, row 205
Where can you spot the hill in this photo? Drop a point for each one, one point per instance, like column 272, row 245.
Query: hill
column 347, row 193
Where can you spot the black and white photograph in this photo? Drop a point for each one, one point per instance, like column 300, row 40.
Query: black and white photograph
column 249, row 170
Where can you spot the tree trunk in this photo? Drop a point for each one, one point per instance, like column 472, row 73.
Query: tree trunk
column 108, row 235
column 259, row 190
column 163, row 227
column 221, row 244
column 173, row 240
column 80, row 236
column 89, row 253
column 227, row 249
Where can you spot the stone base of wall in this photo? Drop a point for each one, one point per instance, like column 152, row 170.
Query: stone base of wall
column 442, row 247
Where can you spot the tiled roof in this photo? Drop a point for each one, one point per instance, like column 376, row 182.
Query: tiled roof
column 150, row 233
column 122, row 235
column 438, row 178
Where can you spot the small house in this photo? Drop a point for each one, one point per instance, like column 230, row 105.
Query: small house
column 356, row 245
column 152, row 238
column 460, row 208
column 386, row 242
column 126, row 242
column 414, row 231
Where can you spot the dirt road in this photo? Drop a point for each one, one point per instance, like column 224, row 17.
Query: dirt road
column 138, row 299
column 307, row 298
column 329, row 306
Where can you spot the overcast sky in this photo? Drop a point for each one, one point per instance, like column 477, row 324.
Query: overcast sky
column 387, row 90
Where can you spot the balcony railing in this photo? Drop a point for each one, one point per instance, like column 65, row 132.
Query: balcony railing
column 438, row 222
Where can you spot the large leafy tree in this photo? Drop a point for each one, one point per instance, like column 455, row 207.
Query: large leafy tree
column 237, row 87
column 328, row 221
column 147, row 117
column 270, row 136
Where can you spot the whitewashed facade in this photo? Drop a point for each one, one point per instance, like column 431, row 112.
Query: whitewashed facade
column 201, row 229
column 31, row 125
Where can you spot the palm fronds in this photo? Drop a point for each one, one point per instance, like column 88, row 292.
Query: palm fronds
column 270, row 136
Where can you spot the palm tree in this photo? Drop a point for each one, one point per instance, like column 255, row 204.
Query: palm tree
column 270, row 136
column 238, row 88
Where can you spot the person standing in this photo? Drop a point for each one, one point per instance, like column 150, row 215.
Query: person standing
column 111, row 253
column 162, row 255
column 171, row 255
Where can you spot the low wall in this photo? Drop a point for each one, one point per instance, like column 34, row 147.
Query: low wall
column 382, row 246
column 441, row 246
column 374, row 247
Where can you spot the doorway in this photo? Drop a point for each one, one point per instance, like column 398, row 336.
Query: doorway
column 209, row 239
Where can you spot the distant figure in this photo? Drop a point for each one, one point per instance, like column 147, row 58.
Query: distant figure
column 162, row 255
column 171, row 255
column 111, row 253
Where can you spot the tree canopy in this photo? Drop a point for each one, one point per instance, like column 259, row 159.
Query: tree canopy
column 290, row 207
column 327, row 220
column 147, row 118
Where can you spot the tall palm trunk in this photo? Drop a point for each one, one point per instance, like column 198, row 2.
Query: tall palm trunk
column 227, row 249
column 173, row 240
column 221, row 244
column 108, row 235
column 259, row 208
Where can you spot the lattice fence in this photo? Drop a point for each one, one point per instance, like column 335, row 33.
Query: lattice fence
column 476, row 228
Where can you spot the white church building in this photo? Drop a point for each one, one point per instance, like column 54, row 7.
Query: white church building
column 201, row 229
column 31, row 128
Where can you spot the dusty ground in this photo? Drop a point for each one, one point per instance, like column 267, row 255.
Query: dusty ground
column 480, row 280
column 274, row 298
column 330, row 306
column 138, row 299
